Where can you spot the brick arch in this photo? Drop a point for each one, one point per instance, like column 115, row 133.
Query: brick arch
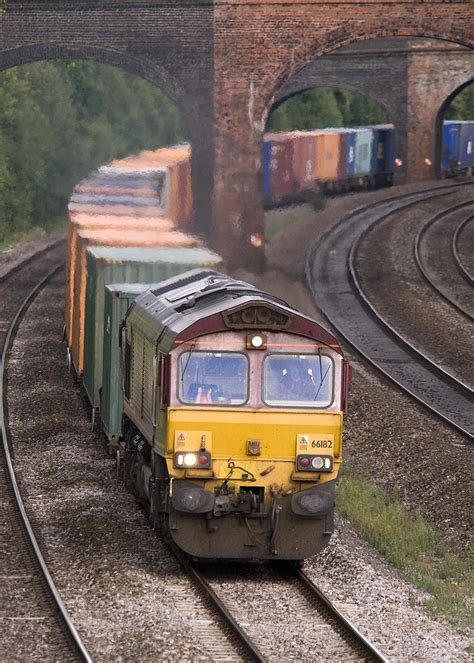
column 129, row 63
column 350, row 33
column 456, row 89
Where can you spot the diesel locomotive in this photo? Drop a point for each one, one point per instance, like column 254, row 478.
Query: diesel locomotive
column 232, row 418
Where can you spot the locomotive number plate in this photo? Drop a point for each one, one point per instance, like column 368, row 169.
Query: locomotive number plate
column 312, row 442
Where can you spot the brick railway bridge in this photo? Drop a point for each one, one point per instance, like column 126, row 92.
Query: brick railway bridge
column 225, row 63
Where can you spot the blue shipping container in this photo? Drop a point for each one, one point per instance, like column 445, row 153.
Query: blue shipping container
column 350, row 152
column 450, row 149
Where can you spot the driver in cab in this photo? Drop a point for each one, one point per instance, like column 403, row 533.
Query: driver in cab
column 296, row 383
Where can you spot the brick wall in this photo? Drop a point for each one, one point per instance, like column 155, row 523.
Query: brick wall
column 259, row 48
column 224, row 62
column 431, row 82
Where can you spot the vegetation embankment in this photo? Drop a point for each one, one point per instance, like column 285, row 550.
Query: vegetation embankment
column 409, row 542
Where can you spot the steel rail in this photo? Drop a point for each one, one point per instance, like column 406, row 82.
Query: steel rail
column 339, row 623
column 242, row 640
column 30, row 258
column 351, row 631
column 334, row 291
column 421, row 265
column 415, row 351
column 6, row 445
column 464, row 272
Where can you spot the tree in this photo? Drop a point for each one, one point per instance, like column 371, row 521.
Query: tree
column 323, row 108
column 462, row 106
column 61, row 120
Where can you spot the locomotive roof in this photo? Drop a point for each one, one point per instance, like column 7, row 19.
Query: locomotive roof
column 199, row 302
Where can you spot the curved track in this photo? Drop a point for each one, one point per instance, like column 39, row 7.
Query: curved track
column 342, row 641
column 465, row 271
column 335, row 287
column 438, row 258
column 33, row 614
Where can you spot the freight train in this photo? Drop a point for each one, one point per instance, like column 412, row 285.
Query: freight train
column 223, row 405
column 295, row 165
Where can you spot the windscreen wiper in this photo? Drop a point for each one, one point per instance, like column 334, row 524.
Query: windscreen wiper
column 187, row 361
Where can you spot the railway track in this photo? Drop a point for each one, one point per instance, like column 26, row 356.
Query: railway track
column 437, row 255
column 336, row 289
column 390, row 279
column 34, row 620
column 466, row 271
column 336, row 638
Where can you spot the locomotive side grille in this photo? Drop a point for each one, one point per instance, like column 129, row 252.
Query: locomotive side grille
column 148, row 381
column 137, row 370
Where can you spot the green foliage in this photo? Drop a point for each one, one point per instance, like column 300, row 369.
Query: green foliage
column 411, row 544
column 384, row 520
column 59, row 121
column 323, row 107
column 462, row 106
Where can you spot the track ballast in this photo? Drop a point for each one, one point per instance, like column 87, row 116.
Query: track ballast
column 333, row 280
column 34, row 616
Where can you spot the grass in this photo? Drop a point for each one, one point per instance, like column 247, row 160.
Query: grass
column 409, row 542
column 272, row 229
column 20, row 237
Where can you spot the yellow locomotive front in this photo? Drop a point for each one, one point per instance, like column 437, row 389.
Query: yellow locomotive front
column 249, row 434
column 254, row 445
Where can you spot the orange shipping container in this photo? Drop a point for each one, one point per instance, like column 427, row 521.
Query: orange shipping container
column 327, row 155
column 100, row 222
column 125, row 237
column 176, row 202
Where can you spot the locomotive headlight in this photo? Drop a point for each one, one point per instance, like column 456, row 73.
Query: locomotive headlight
column 190, row 460
column 256, row 342
column 200, row 460
column 317, row 462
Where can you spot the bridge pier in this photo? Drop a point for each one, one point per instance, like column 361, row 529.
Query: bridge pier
column 224, row 62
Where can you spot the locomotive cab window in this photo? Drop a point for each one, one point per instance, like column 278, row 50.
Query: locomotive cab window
column 298, row 380
column 220, row 378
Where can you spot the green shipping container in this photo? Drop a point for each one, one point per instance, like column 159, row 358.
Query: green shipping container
column 118, row 298
column 107, row 265
column 363, row 151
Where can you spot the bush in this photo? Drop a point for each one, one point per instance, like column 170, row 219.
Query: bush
column 318, row 202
